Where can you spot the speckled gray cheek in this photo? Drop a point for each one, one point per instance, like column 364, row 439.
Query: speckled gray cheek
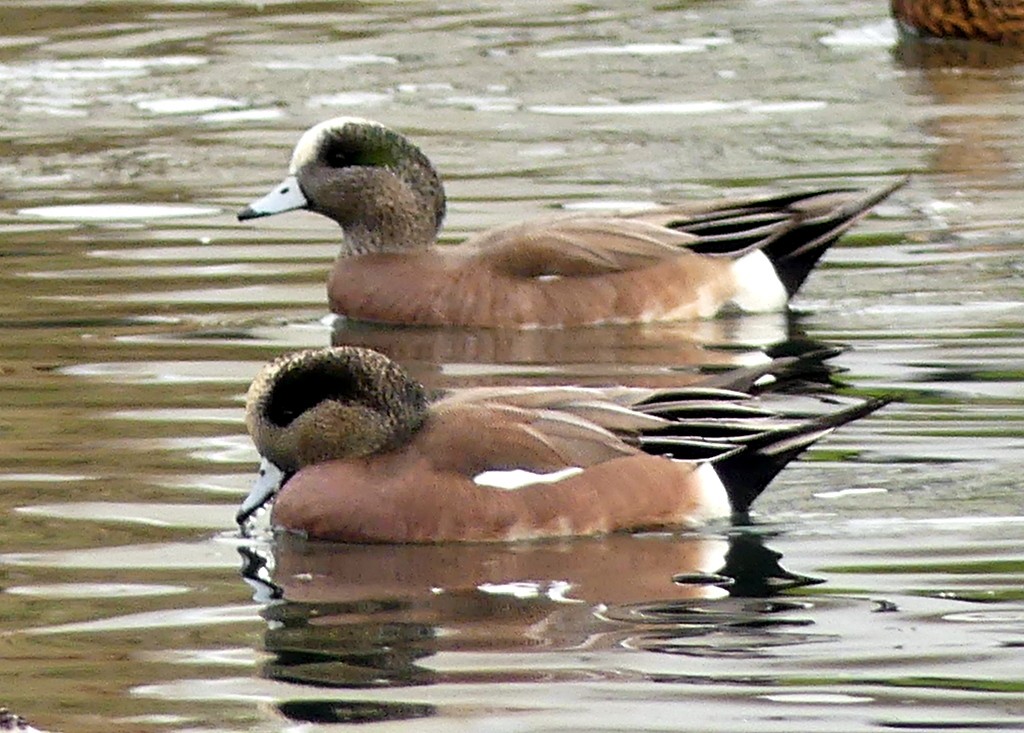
column 337, row 194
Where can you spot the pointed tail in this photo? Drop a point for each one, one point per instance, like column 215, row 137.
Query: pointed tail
column 746, row 472
column 793, row 230
column 820, row 220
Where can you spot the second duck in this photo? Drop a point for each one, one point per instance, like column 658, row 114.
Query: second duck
column 674, row 262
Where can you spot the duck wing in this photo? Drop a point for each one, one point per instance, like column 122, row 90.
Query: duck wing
column 471, row 437
column 578, row 246
column 549, row 428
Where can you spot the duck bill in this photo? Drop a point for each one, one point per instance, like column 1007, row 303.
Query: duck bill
column 286, row 196
column 267, row 484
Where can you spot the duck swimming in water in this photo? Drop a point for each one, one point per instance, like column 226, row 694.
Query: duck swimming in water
column 354, row 450
column 675, row 262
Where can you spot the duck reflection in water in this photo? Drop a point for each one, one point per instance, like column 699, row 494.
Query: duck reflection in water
column 351, row 616
column 650, row 355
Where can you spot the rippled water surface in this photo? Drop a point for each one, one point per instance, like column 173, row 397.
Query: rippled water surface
column 881, row 585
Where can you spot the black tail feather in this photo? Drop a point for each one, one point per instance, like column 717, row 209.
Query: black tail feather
column 748, row 447
column 746, row 379
column 795, row 253
column 781, row 372
column 793, row 230
column 681, row 410
column 745, row 473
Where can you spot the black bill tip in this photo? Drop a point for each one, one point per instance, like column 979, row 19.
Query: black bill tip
column 249, row 213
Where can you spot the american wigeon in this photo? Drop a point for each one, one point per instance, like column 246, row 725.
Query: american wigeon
column 996, row 21
column 669, row 263
column 354, row 450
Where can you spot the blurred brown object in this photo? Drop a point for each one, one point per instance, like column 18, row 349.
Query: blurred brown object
column 995, row 21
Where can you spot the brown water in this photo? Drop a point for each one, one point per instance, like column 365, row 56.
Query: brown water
column 130, row 332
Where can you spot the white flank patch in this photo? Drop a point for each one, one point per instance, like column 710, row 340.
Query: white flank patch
column 758, row 287
column 309, row 144
column 712, row 498
column 517, row 478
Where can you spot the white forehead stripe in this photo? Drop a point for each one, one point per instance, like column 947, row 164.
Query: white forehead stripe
column 308, row 145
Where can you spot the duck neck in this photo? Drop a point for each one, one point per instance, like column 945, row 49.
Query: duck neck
column 397, row 211
column 398, row 402
column 364, row 238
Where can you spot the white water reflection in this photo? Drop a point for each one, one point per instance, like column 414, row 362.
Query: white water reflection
column 117, row 212
column 95, row 590
column 176, row 618
column 686, row 46
column 875, row 35
column 696, row 107
column 195, row 516
column 268, row 294
column 219, row 553
column 94, row 69
column 187, row 105
column 349, row 99
column 202, row 657
column 243, row 115
column 168, row 372
column 340, row 61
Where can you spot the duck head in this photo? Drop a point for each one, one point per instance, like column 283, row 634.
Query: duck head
column 328, row 404
column 379, row 187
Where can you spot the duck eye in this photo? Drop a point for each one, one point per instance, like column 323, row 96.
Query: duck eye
column 337, row 159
